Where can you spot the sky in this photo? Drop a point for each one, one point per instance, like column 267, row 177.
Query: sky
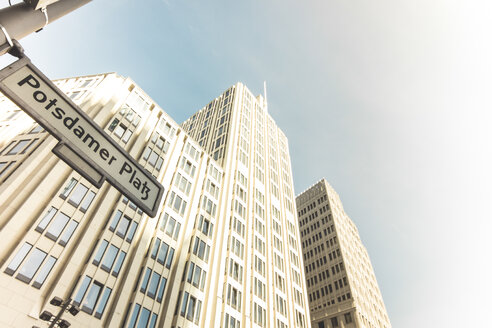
column 389, row 100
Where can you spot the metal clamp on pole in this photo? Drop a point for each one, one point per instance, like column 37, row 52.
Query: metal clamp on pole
column 17, row 50
column 14, row 47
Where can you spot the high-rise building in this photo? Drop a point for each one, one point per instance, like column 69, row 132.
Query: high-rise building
column 341, row 284
column 223, row 250
column 237, row 131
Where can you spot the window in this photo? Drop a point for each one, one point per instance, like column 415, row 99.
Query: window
column 237, row 247
column 31, row 265
column 82, row 289
column 348, row 317
column 144, row 318
column 188, row 167
column 154, row 283
column 190, row 308
column 108, row 261
column 92, row 297
column 170, row 226
column 119, row 263
column 100, row 252
column 163, row 253
column 85, row 83
column 170, row 258
column 196, row 276
column 161, row 143
column 145, row 280
column 18, row 258
column 18, row 147
column 4, row 167
column 235, row 270
column 205, row 226
column 38, row 128
column 133, row 319
column 183, row 184
column 68, row 188
column 209, row 206
column 231, row 322
column 103, row 302
column 334, row 322
column 87, row 201
column 72, row 225
column 131, row 231
column 74, row 94
column 177, row 203
column 46, row 219
column 123, row 227
column 77, row 195
column 57, row 226
column 184, row 304
column 259, row 288
column 44, row 272
column 234, row 297
column 162, row 286
column 259, row 315
column 201, row 249
column 115, row 221
column 153, row 320
column 120, row 130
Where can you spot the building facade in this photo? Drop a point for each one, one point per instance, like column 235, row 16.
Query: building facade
column 341, row 284
column 223, row 251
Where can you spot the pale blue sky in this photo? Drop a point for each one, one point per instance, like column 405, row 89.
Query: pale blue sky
column 389, row 100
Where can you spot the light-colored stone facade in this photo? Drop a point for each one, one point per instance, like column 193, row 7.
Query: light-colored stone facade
column 341, row 284
column 237, row 131
column 224, row 249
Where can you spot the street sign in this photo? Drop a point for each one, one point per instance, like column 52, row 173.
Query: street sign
column 81, row 138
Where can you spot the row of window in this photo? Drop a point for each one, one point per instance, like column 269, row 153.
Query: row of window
column 56, row 225
column 307, row 208
column 204, row 225
column 153, row 284
column 32, row 262
column 201, row 249
column 79, row 194
column 177, row 203
column 144, row 317
column 18, row 146
column 334, row 321
column 120, row 130
column 328, row 289
column 92, row 295
column 162, row 252
column 124, row 226
column 190, row 308
column 196, row 275
column 110, row 258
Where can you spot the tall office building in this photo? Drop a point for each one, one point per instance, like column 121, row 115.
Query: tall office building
column 342, row 287
column 223, row 250
column 267, row 277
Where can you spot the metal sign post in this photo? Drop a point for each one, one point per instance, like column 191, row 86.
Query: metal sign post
column 83, row 144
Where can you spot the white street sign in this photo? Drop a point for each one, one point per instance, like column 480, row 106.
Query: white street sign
column 33, row 92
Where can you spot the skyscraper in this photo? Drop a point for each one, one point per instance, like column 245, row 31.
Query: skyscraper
column 341, row 284
column 223, row 251
column 237, row 131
